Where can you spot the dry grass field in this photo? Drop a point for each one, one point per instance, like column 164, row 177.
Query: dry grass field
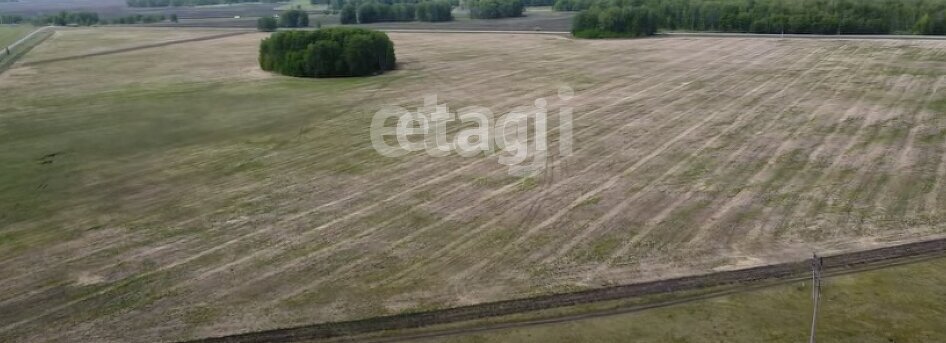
column 180, row 192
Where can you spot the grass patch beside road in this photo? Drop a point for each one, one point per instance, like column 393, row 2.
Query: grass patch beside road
column 897, row 304
column 11, row 33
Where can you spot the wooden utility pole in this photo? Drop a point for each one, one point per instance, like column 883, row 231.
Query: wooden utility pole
column 816, row 265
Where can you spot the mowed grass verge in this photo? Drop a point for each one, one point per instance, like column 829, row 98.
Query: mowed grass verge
column 11, row 33
column 895, row 304
column 180, row 192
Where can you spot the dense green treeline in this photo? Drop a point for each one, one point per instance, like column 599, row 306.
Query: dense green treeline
column 371, row 12
column 11, row 19
column 437, row 10
column 783, row 16
column 178, row 3
column 68, row 18
column 365, row 12
column 290, row 18
column 267, row 24
column 337, row 51
column 573, row 5
column 92, row 18
column 294, row 18
column 612, row 22
column 136, row 19
column 491, row 9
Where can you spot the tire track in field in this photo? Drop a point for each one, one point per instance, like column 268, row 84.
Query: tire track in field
column 931, row 198
column 511, row 186
column 91, row 252
column 740, row 198
column 613, row 180
column 879, row 162
column 143, row 275
column 555, row 129
column 874, row 159
column 468, row 85
column 430, row 166
column 766, row 165
column 829, row 137
column 414, row 172
column 878, row 196
column 868, row 120
column 531, row 201
column 903, row 159
column 506, row 188
column 737, row 280
column 836, row 161
column 597, row 224
column 809, row 123
column 467, row 238
column 756, row 231
column 898, row 162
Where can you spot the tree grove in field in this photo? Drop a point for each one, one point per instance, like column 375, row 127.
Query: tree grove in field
column 777, row 16
column 294, row 18
column 610, row 22
column 492, row 9
column 331, row 52
column 267, row 24
column 436, row 10
column 404, row 10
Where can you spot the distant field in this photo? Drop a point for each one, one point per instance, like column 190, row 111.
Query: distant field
column 81, row 41
column 901, row 304
column 11, row 33
column 304, row 4
column 534, row 20
column 117, row 8
column 180, row 192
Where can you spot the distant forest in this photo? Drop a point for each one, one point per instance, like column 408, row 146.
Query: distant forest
column 364, row 12
column 179, row 3
column 89, row 18
column 763, row 16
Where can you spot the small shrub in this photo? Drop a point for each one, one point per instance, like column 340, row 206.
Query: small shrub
column 266, row 24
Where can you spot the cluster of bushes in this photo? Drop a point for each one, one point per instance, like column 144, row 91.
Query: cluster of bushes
column 338, row 51
column 538, row 2
column 777, row 16
column 294, row 18
column 290, row 18
column 436, row 10
column 267, row 24
column 179, row 3
column 611, row 22
column 573, row 5
column 491, row 9
column 931, row 25
column 374, row 11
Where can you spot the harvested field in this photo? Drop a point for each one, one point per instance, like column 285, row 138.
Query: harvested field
column 180, row 192
column 534, row 20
